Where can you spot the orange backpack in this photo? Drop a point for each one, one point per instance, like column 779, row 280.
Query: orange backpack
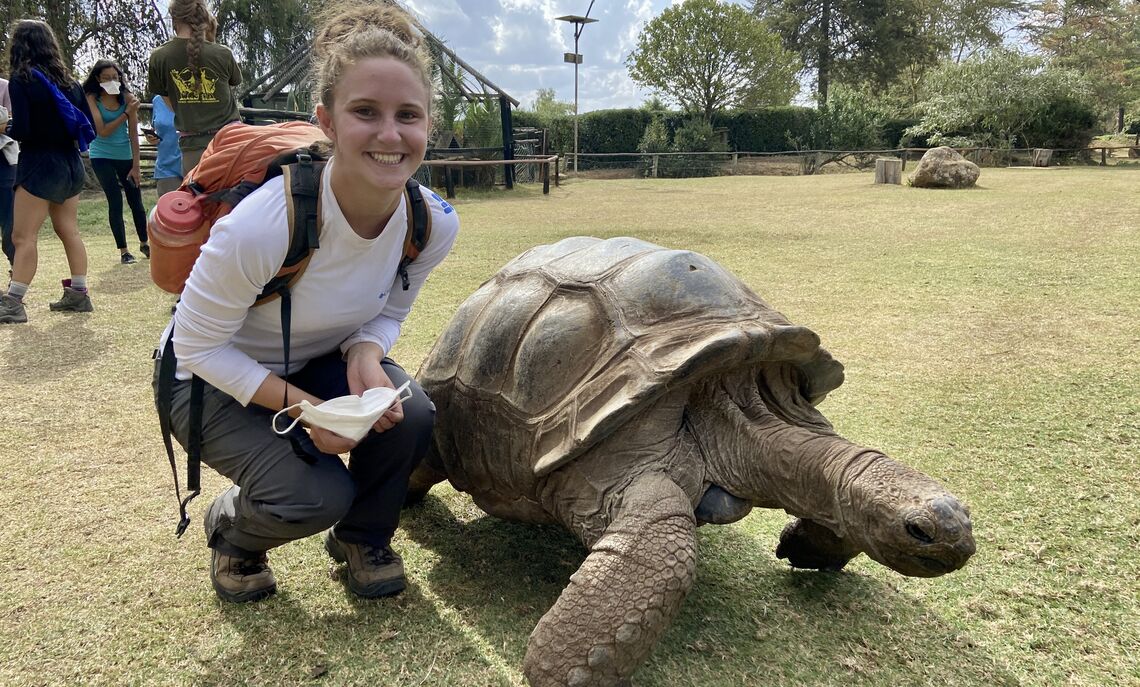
column 239, row 159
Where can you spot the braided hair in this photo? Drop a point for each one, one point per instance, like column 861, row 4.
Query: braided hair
column 194, row 15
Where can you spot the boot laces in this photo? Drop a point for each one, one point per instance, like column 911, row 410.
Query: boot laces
column 252, row 566
column 379, row 555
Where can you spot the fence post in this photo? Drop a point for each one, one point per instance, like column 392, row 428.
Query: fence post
column 448, row 182
column 655, row 166
column 734, row 156
column 1103, row 157
column 557, row 164
column 508, row 141
column 546, row 177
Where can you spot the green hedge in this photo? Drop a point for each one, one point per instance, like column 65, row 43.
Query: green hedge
column 769, row 129
column 620, row 131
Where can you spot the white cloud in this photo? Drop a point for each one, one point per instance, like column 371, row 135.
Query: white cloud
column 518, row 44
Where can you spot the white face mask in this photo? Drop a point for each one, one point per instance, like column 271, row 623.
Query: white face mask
column 349, row 416
column 112, row 87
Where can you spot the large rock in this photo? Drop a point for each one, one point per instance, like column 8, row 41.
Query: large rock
column 943, row 167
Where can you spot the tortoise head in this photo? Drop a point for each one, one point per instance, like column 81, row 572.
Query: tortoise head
column 906, row 520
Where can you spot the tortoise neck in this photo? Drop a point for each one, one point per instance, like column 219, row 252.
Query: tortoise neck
column 758, row 456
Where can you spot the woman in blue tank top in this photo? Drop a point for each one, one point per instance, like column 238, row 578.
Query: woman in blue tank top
column 115, row 151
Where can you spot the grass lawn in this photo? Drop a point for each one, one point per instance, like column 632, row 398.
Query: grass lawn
column 991, row 339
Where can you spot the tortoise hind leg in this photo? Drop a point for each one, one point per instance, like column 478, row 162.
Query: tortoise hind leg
column 808, row 544
column 422, row 479
column 625, row 594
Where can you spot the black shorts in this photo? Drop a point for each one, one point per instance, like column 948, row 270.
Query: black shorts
column 54, row 175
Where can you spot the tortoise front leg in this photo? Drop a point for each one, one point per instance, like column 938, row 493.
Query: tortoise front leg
column 625, row 594
column 808, row 544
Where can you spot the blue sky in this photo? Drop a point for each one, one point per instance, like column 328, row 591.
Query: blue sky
column 518, row 44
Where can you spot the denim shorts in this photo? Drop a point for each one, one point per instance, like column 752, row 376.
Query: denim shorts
column 54, row 175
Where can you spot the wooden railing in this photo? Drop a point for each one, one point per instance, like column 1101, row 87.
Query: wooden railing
column 543, row 162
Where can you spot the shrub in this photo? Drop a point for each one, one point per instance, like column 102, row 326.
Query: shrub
column 654, row 140
column 851, row 120
column 1063, row 123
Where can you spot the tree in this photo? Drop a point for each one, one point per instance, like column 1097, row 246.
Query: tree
column 265, row 34
column 450, row 101
column 708, row 56
column 87, row 30
column 1098, row 38
column 874, row 41
column 548, row 107
column 998, row 99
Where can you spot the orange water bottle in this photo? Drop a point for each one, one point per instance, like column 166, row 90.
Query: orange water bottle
column 177, row 228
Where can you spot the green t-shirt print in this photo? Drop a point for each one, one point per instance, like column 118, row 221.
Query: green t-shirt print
column 203, row 104
column 191, row 92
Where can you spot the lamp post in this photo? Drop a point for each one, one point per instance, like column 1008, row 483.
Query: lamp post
column 576, row 58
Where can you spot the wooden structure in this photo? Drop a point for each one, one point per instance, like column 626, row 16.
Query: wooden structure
column 888, row 170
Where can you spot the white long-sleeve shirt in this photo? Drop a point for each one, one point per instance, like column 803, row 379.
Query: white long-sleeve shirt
column 349, row 293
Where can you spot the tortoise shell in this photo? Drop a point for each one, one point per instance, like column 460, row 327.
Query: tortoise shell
column 570, row 340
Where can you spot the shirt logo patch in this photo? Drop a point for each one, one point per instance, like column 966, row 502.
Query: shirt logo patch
column 447, row 209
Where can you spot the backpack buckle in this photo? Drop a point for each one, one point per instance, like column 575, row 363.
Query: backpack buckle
column 183, row 523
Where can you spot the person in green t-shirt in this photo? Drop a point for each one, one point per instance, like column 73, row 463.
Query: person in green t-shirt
column 195, row 76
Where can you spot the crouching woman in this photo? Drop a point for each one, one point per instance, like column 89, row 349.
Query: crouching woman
column 372, row 78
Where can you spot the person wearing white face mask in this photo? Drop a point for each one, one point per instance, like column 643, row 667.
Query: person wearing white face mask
column 115, row 151
column 372, row 79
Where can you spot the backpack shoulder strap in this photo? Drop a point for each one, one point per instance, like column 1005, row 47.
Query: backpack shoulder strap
column 419, row 228
column 302, row 203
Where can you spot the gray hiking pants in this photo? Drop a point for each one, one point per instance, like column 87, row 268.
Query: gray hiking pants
column 278, row 496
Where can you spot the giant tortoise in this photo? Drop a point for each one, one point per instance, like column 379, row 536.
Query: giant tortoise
column 628, row 393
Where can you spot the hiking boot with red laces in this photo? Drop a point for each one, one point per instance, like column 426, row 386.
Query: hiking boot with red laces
column 241, row 580
column 73, row 300
column 373, row 571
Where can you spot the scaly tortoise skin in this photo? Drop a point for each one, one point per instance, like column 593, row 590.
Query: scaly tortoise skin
column 629, row 393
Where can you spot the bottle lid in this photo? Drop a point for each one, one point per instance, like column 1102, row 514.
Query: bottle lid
column 179, row 212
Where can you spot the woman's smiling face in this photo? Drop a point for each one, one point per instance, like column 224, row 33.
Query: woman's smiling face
column 378, row 124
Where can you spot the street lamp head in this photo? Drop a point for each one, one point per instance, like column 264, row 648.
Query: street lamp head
column 575, row 19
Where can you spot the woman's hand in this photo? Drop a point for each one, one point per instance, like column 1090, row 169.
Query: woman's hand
column 132, row 104
column 365, row 372
column 330, row 442
column 135, row 176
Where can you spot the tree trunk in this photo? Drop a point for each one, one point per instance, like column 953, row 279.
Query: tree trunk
column 824, row 54
column 888, row 170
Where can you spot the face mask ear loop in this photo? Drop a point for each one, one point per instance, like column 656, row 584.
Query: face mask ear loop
column 404, row 387
column 291, row 425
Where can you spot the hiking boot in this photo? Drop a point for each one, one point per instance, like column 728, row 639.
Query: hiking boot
column 12, row 310
column 241, row 580
column 127, row 259
column 144, row 248
column 373, row 571
column 73, row 300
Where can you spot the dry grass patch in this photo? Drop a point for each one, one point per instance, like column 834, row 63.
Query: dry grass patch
column 990, row 339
